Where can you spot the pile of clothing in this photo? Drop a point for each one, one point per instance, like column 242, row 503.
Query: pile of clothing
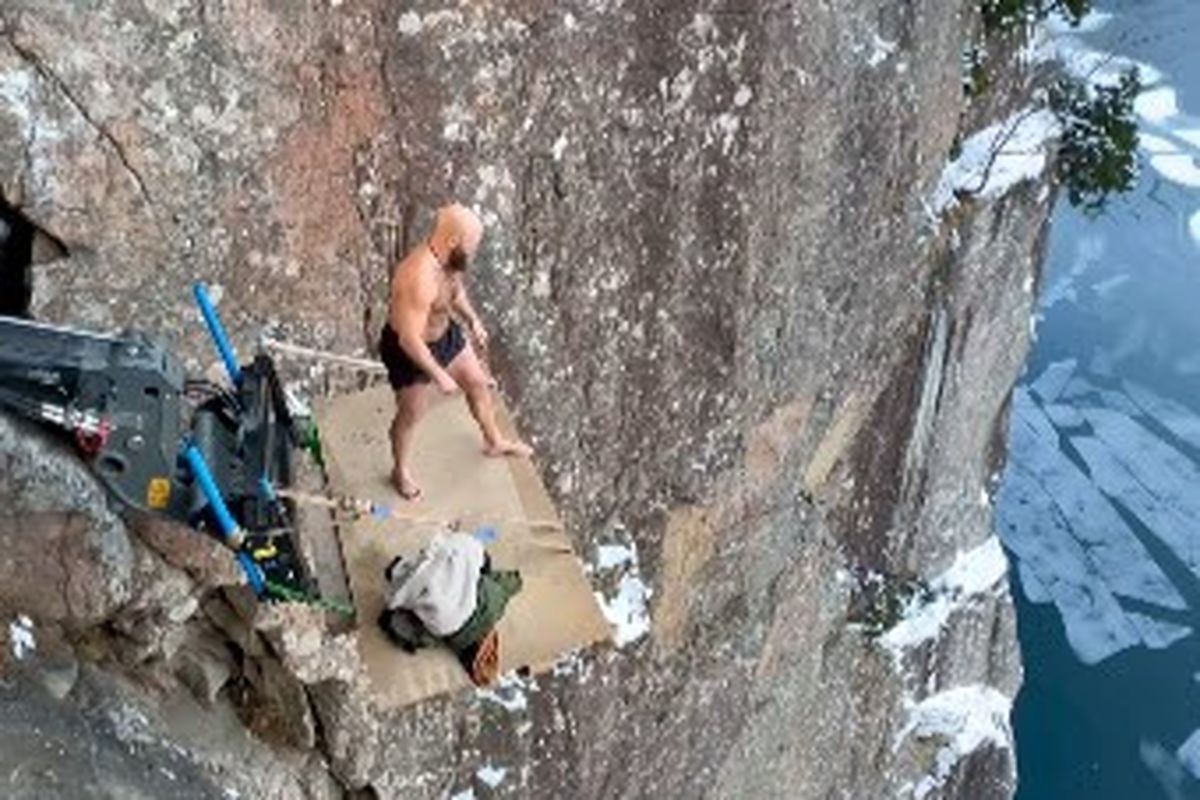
column 450, row 594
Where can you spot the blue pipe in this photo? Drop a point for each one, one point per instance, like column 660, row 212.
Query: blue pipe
column 267, row 490
column 253, row 573
column 225, row 521
column 217, row 331
column 199, row 467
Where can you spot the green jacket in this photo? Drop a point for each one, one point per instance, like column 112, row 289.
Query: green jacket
column 496, row 588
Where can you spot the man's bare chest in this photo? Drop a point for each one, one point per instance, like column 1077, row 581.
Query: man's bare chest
column 444, row 299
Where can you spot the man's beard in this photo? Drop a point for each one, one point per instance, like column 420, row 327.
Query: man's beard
column 457, row 260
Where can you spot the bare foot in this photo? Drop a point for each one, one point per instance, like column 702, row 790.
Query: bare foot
column 508, row 447
column 405, row 485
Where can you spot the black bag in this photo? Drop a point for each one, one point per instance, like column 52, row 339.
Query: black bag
column 404, row 629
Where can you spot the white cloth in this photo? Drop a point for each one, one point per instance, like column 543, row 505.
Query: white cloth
column 442, row 587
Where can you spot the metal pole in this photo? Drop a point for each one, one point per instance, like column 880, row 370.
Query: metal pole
column 217, row 331
column 225, row 521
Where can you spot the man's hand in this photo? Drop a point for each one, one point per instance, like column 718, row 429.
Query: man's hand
column 445, row 383
column 479, row 334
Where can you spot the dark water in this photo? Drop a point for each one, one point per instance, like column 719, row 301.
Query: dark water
column 1100, row 504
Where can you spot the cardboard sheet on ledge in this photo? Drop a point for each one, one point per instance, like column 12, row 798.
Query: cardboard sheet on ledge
column 555, row 611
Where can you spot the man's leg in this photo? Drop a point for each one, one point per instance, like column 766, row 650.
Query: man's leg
column 469, row 374
column 411, row 402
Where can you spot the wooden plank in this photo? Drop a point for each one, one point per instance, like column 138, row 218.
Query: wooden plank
column 556, row 611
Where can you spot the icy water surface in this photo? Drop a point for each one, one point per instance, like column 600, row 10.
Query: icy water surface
column 1100, row 504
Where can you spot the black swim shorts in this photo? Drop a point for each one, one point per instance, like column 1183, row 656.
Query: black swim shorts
column 402, row 370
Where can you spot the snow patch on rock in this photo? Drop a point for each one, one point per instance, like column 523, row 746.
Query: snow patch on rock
column 973, row 573
column 21, row 638
column 997, row 158
column 491, row 776
column 627, row 611
column 963, row 719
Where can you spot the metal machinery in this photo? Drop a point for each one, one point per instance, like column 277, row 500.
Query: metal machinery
column 206, row 455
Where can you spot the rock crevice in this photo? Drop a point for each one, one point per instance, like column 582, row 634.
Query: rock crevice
column 11, row 35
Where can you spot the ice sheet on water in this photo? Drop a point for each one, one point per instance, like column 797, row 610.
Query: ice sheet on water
column 1180, row 168
column 1119, row 401
column 1165, row 766
column 1127, row 463
column 1153, row 461
column 1027, row 411
column 1159, row 104
column 1031, row 584
column 1064, row 416
column 1077, row 387
column 1050, row 384
column 1098, row 66
column 1119, row 556
column 1176, row 418
column 1073, row 547
column 1152, row 144
column 1156, row 633
column 1033, row 528
column 1189, row 754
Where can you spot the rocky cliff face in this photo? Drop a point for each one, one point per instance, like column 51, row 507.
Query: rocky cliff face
column 724, row 311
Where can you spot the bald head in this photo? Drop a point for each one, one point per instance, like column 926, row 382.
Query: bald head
column 458, row 226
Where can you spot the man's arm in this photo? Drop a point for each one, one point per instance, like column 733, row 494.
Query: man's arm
column 409, row 316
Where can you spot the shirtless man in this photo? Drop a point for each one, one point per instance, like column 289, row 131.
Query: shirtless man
column 423, row 339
